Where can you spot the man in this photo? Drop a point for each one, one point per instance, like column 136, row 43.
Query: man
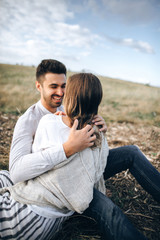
column 51, row 80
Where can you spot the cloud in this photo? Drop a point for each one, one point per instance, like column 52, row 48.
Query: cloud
column 133, row 12
column 33, row 9
column 32, row 29
column 85, row 54
column 139, row 46
column 73, row 35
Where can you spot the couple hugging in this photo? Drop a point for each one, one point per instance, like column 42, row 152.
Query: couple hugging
column 58, row 162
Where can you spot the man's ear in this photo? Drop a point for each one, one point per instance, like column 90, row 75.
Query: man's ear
column 38, row 86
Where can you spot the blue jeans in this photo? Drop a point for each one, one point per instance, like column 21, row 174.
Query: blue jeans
column 114, row 225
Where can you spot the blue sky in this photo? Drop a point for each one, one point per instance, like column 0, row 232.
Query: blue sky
column 115, row 38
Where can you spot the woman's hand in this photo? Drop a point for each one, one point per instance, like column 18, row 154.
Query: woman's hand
column 78, row 140
column 99, row 121
column 60, row 113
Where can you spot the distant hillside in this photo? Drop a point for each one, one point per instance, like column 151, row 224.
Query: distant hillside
column 122, row 101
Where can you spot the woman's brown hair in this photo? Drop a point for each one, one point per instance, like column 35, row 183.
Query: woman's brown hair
column 82, row 98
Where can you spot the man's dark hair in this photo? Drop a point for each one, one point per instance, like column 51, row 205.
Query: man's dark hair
column 49, row 66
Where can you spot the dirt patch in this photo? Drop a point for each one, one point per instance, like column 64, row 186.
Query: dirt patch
column 7, row 123
column 123, row 189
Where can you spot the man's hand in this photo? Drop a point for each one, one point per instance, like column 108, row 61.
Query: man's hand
column 78, row 140
column 99, row 121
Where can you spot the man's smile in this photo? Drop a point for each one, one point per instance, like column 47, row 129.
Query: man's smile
column 57, row 98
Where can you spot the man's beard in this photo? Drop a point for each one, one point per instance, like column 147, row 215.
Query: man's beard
column 51, row 102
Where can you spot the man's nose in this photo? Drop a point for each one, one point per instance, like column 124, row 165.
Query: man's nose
column 60, row 92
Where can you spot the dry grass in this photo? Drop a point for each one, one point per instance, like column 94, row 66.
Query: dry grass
column 122, row 102
column 133, row 117
column 17, row 88
column 130, row 102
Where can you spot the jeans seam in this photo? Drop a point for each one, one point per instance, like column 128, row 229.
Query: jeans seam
column 147, row 179
column 111, row 233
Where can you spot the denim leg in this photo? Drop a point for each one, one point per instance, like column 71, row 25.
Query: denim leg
column 113, row 224
column 130, row 157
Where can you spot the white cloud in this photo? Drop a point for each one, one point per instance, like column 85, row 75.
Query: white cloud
column 140, row 46
column 35, row 9
column 32, row 29
column 85, row 54
column 73, row 36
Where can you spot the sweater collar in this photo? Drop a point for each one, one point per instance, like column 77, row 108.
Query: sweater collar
column 44, row 110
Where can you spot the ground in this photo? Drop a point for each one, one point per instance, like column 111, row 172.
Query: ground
column 123, row 189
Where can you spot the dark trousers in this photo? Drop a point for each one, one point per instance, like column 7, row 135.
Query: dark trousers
column 113, row 224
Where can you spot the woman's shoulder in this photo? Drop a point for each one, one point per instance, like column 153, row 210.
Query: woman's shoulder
column 49, row 119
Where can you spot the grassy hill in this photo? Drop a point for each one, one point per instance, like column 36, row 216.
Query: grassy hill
column 122, row 101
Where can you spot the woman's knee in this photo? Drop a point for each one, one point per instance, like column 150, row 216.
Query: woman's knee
column 100, row 200
column 133, row 149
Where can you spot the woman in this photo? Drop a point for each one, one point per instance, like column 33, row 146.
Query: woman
column 55, row 195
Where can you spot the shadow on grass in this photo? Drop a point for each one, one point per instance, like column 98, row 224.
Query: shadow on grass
column 79, row 227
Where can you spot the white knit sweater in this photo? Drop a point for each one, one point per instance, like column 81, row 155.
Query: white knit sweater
column 69, row 185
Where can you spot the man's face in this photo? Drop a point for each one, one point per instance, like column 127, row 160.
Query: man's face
column 52, row 90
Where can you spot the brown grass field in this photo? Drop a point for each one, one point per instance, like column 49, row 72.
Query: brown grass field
column 132, row 113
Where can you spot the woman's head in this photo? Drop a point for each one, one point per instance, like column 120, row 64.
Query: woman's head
column 82, row 97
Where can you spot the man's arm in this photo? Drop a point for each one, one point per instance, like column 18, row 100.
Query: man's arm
column 24, row 164
column 99, row 121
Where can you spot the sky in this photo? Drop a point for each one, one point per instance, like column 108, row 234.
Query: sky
column 114, row 38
